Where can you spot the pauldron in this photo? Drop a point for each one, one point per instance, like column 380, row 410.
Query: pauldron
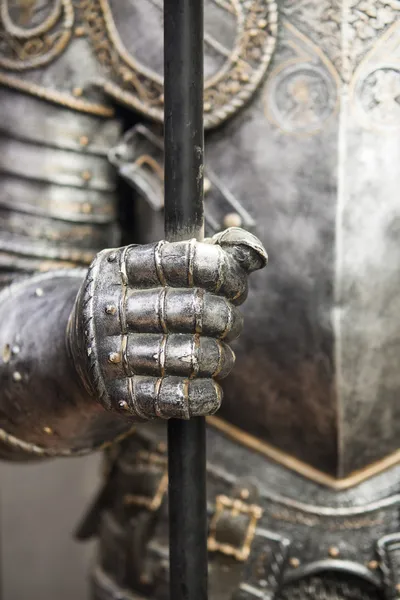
column 58, row 201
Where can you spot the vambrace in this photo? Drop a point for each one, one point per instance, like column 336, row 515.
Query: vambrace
column 44, row 409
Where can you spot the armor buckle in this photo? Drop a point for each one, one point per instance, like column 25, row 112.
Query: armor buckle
column 233, row 527
column 152, row 476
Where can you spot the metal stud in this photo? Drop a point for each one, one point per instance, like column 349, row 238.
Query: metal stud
column 233, row 220
column 111, row 309
column 114, row 357
column 244, row 494
column 39, row 292
column 17, row 376
column 86, row 175
column 334, row 551
column 86, row 208
column 294, row 562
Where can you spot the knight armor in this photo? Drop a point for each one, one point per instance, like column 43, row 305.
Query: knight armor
column 97, row 334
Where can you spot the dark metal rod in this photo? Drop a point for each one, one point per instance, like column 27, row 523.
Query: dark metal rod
column 184, row 147
column 184, row 134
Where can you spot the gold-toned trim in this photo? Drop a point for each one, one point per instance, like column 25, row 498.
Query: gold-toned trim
column 140, row 88
column 60, row 98
column 30, row 448
column 151, row 503
column 292, row 463
column 236, row 507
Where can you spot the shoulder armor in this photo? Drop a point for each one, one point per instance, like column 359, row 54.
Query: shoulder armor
column 84, row 53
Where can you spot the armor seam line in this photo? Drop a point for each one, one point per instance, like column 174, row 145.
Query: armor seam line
column 300, row 467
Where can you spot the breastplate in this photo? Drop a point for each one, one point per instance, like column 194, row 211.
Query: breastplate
column 310, row 166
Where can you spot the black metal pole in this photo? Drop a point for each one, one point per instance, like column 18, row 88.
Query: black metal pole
column 184, row 145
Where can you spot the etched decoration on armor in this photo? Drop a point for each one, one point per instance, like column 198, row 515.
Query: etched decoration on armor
column 301, row 93
column 119, row 45
column 345, row 46
column 367, row 21
column 320, row 22
column 33, row 33
column 375, row 90
column 141, row 86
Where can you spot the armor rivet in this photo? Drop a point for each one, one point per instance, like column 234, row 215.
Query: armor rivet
column 262, row 23
column 39, row 292
column 6, row 353
column 253, row 32
column 15, row 349
column 112, row 257
column 84, row 140
column 17, row 376
column 86, row 175
column 334, row 552
column 86, row 208
column 244, row 494
column 77, row 91
column 123, row 405
column 80, row 31
column 207, row 107
column 114, row 357
column 294, row 562
column 233, row 220
column 373, row 565
column 263, row 583
column 244, row 76
column 111, row 309
column 48, row 430
column 127, row 76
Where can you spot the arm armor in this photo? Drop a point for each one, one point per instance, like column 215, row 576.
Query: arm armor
column 57, row 209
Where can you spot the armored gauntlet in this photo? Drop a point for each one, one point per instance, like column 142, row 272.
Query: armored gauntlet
column 151, row 324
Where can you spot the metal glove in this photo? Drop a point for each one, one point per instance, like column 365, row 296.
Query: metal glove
column 150, row 329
